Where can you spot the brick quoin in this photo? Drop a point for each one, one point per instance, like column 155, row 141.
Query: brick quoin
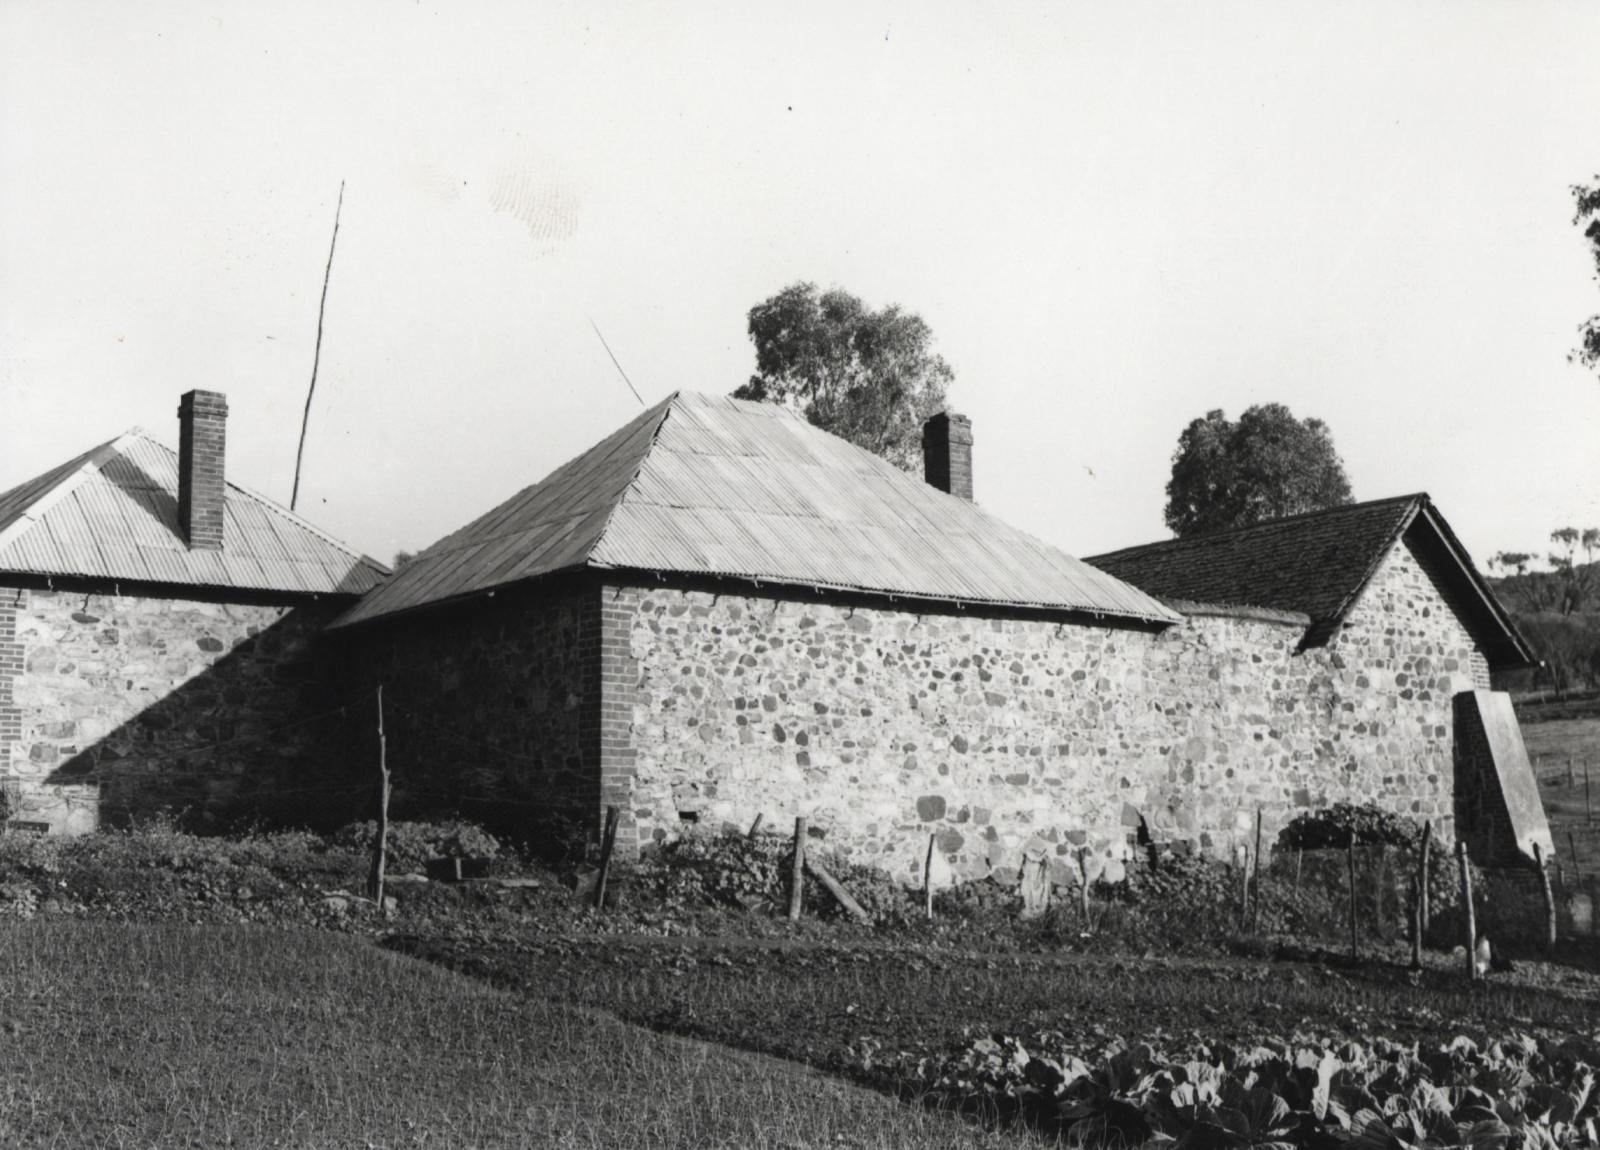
column 617, row 678
column 12, row 603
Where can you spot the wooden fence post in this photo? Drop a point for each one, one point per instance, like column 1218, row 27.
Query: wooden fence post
column 380, row 841
column 1299, row 861
column 1380, row 881
column 608, row 843
column 1424, row 918
column 1244, row 887
column 1549, row 899
column 1588, row 810
column 1083, row 882
column 1466, row 904
column 1350, row 859
column 797, row 875
column 1255, row 903
column 1572, row 846
column 927, row 877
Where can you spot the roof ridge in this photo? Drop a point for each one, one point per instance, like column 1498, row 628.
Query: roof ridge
column 1264, row 525
column 92, row 461
column 666, row 406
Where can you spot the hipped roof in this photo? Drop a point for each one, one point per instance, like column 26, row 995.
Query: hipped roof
column 1318, row 564
column 112, row 514
column 712, row 486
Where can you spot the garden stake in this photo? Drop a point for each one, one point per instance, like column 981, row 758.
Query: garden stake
column 1244, row 887
column 380, row 843
column 927, row 877
column 1588, row 811
column 836, row 889
column 1380, row 880
column 1299, row 861
column 754, row 827
column 1423, row 918
column 797, row 875
column 608, row 842
column 1577, row 871
column 1255, row 905
column 1466, row 902
column 1083, row 883
column 1350, row 855
column 1549, row 899
column 1416, row 921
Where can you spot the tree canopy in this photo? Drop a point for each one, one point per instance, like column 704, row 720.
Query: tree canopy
column 1587, row 217
column 1267, row 465
column 870, row 377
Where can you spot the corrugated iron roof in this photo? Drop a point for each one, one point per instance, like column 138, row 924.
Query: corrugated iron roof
column 112, row 513
column 704, row 485
column 1317, row 564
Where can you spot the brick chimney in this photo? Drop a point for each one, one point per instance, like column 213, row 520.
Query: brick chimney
column 202, row 416
column 947, row 453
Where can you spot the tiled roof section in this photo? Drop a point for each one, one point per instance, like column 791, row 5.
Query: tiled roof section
column 702, row 485
column 112, row 513
column 1317, row 565
column 1310, row 563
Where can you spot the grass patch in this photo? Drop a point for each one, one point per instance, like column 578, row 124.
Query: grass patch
column 168, row 1035
column 1551, row 746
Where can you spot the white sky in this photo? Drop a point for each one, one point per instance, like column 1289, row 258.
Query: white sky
column 1113, row 216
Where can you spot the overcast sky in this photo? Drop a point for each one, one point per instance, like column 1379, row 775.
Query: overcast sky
column 1113, row 216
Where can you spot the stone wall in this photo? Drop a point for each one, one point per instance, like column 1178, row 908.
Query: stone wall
column 491, row 708
column 1014, row 736
column 120, row 706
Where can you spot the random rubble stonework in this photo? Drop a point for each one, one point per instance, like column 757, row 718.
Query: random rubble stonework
column 1009, row 737
column 116, row 706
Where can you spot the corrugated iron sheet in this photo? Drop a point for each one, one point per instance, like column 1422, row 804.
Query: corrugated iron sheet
column 715, row 486
column 112, row 513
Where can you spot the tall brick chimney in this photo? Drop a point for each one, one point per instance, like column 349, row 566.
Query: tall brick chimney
column 202, row 416
column 947, row 453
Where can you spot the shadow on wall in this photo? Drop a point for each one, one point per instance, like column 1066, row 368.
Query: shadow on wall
column 214, row 714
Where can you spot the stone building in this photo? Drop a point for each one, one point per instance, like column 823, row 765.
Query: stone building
column 156, row 628
column 720, row 611
column 1386, row 599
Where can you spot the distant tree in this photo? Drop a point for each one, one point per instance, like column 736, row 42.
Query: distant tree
column 1587, row 217
column 1569, row 586
column 868, row 376
column 1509, row 561
column 1576, row 581
column 1267, row 465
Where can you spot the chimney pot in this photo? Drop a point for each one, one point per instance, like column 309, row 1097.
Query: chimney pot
column 947, row 453
column 202, row 438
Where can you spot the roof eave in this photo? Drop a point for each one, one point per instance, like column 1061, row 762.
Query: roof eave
column 1522, row 654
column 1161, row 616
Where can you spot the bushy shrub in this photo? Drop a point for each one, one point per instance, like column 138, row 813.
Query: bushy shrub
column 1366, row 824
column 1176, row 878
column 731, row 869
column 727, row 869
column 412, row 844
